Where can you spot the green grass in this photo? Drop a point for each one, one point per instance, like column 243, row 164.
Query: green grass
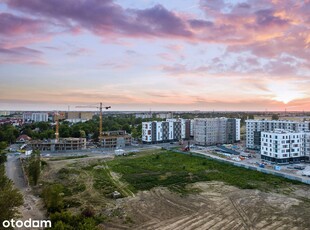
column 103, row 182
column 175, row 170
column 67, row 158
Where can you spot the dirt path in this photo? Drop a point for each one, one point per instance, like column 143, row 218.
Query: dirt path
column 116, row 180
column 33, row 206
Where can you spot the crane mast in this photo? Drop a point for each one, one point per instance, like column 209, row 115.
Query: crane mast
column 100, row 117
column 100, row 123
column 57, row 127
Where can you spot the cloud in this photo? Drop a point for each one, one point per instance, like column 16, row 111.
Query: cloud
column 79, row 52
column 11, row 25
column 265, row 28
column 22, row 55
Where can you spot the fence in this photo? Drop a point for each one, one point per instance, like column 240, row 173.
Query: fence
column 263, row 170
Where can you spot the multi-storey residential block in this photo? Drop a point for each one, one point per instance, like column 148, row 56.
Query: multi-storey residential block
column 143, row 115
column 192, row 128
column 164, row 131
column 212, row 131
column 164, row 115
column 35, row 117
column 75, row 116
column 284, row 146
column 255, row 127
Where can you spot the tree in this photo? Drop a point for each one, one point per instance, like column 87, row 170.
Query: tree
column 34, row 167
column 53, row 197
column 251, row 116
column 10, row 197
column 275, row 116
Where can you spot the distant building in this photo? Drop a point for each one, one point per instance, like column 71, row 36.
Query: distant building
column 255, row 127
column 143, row 115
column 165, row 131
column 23, row 138
column 164, row 115
column 284, row 146
column 12, row 121
column 5, row 113
column 63, row 144
column 35, row 117
column 75, row 116
column 212, row 131
column 116, row 139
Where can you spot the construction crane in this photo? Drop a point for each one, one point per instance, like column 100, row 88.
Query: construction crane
column 56, row 114
column 100, row 115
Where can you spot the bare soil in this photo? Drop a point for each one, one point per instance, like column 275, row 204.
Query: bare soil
column 217, row 206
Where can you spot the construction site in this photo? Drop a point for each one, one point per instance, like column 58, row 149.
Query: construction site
column 159, row 194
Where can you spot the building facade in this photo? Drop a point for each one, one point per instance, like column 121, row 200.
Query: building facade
column 212, row 131
column 255, row 127
column 165, row 131
column 35, row 117
column 75, row 116
column 285, row 146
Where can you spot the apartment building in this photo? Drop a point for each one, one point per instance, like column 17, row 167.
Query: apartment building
column 116, row 139
column 212, row 131
column 164, row 115
column 75, row 116
column 165, row 131
column 144, row 115
column 285, row 146
column 35, row 117
column 255, row 127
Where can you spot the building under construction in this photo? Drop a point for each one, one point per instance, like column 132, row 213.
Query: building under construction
column 115, row 139
column 62, row 144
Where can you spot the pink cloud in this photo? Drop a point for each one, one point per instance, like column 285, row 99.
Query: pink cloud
column 264, row 29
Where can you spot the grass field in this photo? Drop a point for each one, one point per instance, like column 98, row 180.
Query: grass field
column 174, row 170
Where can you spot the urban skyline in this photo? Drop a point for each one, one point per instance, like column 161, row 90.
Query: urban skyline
column 160, row 55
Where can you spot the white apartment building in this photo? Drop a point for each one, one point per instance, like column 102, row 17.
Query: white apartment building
column 164, row 131
column 285, row 146
column 238, row 138
column 35, row 117
column 255, row 127
column 185, row 126
column 212, row 131
column 192, row 127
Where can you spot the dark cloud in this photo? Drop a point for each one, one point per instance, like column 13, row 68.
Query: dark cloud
column 104, row 17
column 15, row 25
column 197, row 24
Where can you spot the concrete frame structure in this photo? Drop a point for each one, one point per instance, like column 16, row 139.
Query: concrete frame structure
column 63, row 144
column 116, row 139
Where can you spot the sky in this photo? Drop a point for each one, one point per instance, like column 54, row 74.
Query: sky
column 243, row 55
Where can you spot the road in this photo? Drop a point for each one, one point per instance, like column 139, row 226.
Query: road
column 14, row 171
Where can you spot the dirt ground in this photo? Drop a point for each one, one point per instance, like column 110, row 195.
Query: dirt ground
column 217, row 206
